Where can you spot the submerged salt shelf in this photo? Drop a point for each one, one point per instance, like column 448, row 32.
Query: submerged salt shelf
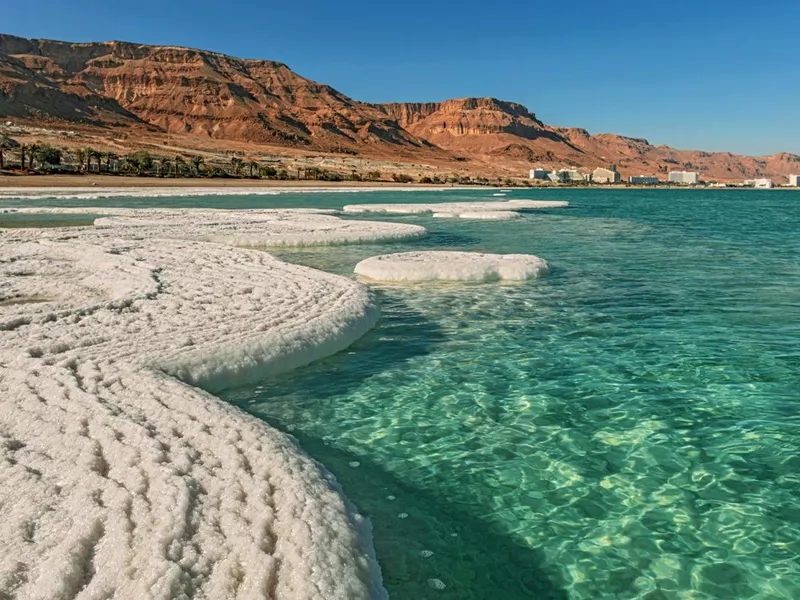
column 452, row 266
column 495, row 215
column 250, row 228
column 119, row 479
column 455, row 207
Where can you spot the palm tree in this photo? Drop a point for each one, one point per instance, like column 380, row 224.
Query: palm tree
column 33, row 149
column 6, row 143
column 197, row 162
column 237, row 164
column 47, row 156
column 80, row 156
column 253, row 167
column 109, row 156
column 129, row 163
column 91, row 153
column 160, row 163
column 180, row 166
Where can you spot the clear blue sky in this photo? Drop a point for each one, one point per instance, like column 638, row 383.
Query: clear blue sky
column 700, row 74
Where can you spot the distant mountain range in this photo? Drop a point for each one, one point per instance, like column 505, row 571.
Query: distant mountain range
column 200, row 94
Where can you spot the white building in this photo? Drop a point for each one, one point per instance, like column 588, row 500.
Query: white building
column 794, row 180
column 642, row 180
column 762, row 183
column 540, row 174
column 568, row 176
column 601, row 175
column 684, row 177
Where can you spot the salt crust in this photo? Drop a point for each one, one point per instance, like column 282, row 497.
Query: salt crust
column 495, row 215
column 452, row 266
column 248, row 228
column 94, row 193
column 119, row 480
column 455, row 207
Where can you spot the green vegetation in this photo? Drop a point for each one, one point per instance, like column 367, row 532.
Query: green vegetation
column 402, row 178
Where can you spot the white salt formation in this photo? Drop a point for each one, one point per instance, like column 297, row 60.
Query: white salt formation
column 248, row 228
column 495, row 215
column 452, row 266
column 119, row 480
column 94, row 193
column 459, row 208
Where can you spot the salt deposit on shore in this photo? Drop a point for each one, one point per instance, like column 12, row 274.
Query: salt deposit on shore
column 452, row 266
column 94, row 193
column 248, row 228
column 121, row 480
column 455, row 207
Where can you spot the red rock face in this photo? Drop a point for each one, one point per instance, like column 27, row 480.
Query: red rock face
column 180, row 90
column 507, row 135
column 208, row 95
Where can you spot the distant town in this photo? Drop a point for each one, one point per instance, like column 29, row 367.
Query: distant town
column 610, row 176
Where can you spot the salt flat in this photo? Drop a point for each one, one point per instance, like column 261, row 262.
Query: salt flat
column 122, row 479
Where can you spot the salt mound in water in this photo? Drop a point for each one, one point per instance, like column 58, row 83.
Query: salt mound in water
column 452, row 266
column 497, row 215
column 455, row 207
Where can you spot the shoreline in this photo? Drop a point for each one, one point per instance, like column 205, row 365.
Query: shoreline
column 152, row 472
column 89, row 183
column 106, row 181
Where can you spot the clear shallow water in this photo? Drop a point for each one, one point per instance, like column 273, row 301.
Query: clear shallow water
column 626, row 428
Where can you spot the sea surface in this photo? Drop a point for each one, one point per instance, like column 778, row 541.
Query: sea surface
column 627, row 427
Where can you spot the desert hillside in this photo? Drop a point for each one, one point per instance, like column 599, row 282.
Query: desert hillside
column 187, row 98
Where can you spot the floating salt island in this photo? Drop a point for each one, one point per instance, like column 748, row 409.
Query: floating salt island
column 119, row 476
column 452, row 266
column 456, row 208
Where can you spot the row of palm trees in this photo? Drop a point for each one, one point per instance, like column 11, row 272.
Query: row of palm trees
column 43, row 156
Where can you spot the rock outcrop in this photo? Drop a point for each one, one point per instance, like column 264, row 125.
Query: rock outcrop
column 211, row 96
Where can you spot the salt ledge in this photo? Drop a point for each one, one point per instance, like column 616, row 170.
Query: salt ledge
column 452, row 266
column 459, row 208
column 121, row 480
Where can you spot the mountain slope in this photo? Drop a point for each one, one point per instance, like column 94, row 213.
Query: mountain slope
column 508, row 135
column 186, row 91
column 211, row 96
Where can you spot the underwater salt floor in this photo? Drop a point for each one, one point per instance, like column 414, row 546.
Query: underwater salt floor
column 626, row 427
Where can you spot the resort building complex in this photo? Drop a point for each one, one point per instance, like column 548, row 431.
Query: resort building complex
column 684, row 177
column 602, row 175
column 794, row 180
column 643, row 180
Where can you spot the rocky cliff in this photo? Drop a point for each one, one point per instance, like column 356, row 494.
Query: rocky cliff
column 200, row 94
column 508, row 135
column 186, row 91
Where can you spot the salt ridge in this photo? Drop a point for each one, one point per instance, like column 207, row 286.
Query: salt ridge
column 97, row 193
column 119, row 479
column 249, row 228
column 455, row 207
column 452, row 266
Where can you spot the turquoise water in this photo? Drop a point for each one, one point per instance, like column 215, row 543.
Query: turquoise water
column 628, row 427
